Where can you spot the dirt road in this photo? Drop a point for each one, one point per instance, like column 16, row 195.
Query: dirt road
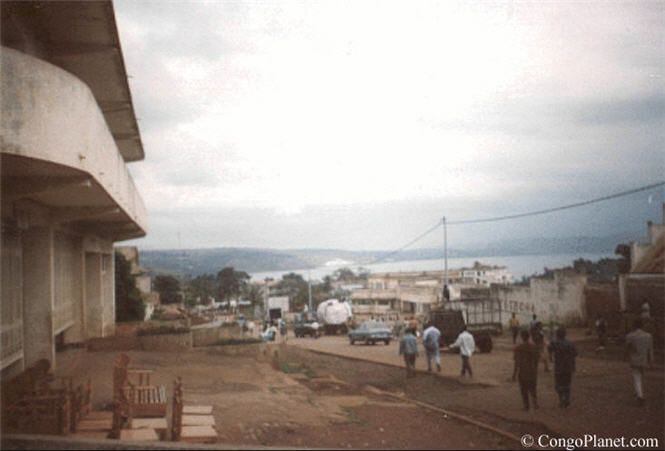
column 602, row 395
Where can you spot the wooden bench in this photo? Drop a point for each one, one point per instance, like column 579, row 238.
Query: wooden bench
column 31, row 404
column 134, row 398
column 199, row 430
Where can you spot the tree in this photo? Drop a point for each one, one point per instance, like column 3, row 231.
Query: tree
column 200, row 289
column 295, row 287
column 168, row 288
column 128, row 303
column 253, row 293
column 231, row 283
column 344, row 274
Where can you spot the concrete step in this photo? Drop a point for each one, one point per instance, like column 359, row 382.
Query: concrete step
column 197, row 410
column 198, row 420
column 198, row 434
column 149, row 423
column 94, row 425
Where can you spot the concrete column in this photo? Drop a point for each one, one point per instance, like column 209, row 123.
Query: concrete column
column 108, row 294
column 38, row 295
column 93, row 295
column 76, row 333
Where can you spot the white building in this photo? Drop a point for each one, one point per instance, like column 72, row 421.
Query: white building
column 68, row 131
column 486, row 275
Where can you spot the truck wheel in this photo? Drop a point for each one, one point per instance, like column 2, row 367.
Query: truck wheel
column 387, row 342
column 351, row 340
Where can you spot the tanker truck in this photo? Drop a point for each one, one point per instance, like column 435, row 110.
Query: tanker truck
column 334, row 316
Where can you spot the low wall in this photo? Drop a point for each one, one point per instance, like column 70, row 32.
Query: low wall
column 166, row 342
column 206, row 336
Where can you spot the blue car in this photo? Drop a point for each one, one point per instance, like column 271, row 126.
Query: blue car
column 370, row 332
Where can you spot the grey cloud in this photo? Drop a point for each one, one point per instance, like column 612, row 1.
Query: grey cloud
column 624, row 111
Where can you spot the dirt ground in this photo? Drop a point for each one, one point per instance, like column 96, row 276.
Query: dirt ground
column 308, row 399
column 281, row 404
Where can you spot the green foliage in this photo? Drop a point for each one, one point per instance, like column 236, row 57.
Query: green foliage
column 344, row 274
column 295, row 287
column 128, row 303
column 162, row 330
column 253, row 293
column 289, row 368
column 168, row 288
column 231, row 283
column 200, row 289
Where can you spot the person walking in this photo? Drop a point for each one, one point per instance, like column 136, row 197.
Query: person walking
column 601, row 331
column 514, row 325
column 563, row 352
column 408, row 347
column 538, row 338
column 532, row 323
column 283, row 330
column 526, row 357
column 466, row 345
column 431, row 343
column 639, row 351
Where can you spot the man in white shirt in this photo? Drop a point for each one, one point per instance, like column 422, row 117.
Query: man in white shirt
column 639, row 350
column 431, row 343
column 466, row 345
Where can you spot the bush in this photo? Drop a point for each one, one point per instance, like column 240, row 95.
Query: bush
column 162, row 330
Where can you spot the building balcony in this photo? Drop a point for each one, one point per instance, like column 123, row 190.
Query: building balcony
column 57, row 151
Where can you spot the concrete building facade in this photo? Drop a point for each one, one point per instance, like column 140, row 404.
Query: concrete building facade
column 415, row 293
column 68, row 132
column 559, row 298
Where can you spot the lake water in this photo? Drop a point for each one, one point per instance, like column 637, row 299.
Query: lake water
column 518, row 266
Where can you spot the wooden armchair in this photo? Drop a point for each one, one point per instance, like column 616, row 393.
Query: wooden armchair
column 134, row 398
column 181, row 431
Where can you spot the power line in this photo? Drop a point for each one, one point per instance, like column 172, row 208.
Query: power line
column 520, row 215
column 418, row 238
column 564, row 207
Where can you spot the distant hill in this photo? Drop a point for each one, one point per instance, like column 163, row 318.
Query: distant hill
column 193, row 262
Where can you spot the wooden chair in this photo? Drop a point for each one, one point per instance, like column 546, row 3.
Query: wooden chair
column 134, row 398
column 203, row 432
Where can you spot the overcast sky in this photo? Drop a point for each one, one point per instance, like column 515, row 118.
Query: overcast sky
column 358, row 125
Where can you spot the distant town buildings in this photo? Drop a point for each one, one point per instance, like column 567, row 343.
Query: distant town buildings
column 68, row 131
column 415, row 293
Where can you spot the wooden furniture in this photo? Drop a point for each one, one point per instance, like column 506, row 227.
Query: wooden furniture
column 30, row 404
column 190, row 428
column 134, row 396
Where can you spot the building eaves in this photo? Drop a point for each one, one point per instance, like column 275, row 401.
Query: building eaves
column 81, row 38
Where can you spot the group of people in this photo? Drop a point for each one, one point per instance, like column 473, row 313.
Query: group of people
column 270, row 330
column 408, row 348
column 528, row 354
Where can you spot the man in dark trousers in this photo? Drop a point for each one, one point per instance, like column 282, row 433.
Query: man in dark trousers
column 538, row 338
column 526, row 357
column 408, row 347
column 564, row 353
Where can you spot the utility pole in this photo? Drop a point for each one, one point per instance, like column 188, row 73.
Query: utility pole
column 309, row 288
column 446, row 290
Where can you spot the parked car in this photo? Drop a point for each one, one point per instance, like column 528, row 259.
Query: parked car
column 370, row 332
column 309, row 328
